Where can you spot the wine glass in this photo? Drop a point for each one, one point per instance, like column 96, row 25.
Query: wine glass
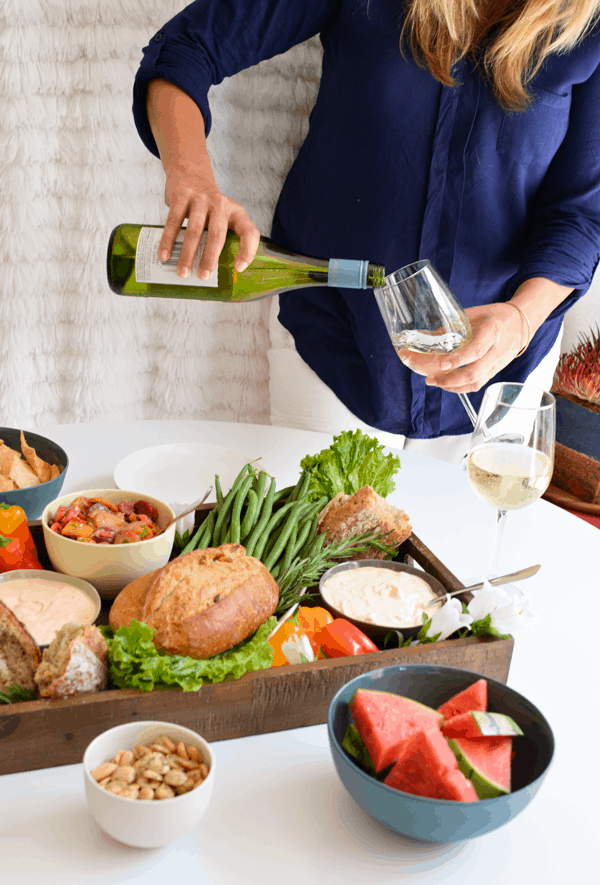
column 511, row 452
column 422, row 314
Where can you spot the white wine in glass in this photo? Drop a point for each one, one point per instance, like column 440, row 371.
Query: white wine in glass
column 422, row 314
column 511, row 453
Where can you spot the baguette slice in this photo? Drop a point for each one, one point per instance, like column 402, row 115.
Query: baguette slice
column 19, row 652
column 75, row 662
column 365, row 511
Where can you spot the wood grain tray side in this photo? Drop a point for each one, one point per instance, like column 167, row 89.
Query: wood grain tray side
column 45, row 733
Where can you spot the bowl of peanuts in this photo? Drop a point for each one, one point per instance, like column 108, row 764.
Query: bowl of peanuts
column 148, row 783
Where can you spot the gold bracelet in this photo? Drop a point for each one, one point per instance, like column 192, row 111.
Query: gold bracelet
column 529, row 335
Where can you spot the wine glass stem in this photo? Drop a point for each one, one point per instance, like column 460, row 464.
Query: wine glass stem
column 468, row 408
column 493, row 567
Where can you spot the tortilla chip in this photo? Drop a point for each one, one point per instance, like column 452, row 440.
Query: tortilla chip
column 54, row 471
column 7, row 457
column 39, row 467
column 22, row 475
column 6, row 485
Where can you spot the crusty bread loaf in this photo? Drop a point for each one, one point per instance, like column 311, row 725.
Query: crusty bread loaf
column 74, row 663
column 201, row 603
column 19, row 652
column 364, row 511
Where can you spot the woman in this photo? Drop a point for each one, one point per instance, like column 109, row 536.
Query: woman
column 462, row 132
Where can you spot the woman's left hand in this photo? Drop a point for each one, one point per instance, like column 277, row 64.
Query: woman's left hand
column 499, row 333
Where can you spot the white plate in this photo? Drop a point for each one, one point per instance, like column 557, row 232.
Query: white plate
column 180, row 473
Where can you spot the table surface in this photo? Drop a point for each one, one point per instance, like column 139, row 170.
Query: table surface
column 279, row 812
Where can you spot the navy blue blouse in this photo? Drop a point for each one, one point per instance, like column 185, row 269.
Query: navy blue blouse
column 395, row 168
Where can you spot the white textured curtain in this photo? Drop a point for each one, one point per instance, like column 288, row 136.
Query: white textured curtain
column 72, row 167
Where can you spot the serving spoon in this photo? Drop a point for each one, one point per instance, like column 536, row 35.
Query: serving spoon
column 503, row 579
column 189, row 510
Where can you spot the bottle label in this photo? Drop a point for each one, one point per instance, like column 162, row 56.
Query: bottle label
column 149, row 269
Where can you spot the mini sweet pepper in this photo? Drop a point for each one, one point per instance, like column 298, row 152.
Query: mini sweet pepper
column 17, row 547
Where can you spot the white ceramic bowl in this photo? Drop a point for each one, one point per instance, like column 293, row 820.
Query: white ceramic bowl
column 112, row 566
column 138, row 823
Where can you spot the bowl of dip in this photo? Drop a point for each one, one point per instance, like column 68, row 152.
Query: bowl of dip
column 380, row 596
column 44, row 601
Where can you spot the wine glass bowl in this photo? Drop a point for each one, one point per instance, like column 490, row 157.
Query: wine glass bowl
column 420, row 311
column 511, row 452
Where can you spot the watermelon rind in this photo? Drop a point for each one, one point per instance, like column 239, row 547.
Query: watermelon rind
column 354, row 745
column 386, row 720
column 479, row 725
column 486, row 787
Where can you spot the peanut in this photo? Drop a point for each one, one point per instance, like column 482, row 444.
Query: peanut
column 175, row 778
column 104, row 770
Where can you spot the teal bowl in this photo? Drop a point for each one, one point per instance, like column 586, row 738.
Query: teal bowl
column 34, row 499
column 439, row 820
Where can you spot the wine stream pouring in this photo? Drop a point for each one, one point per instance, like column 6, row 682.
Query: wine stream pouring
column 133, row 268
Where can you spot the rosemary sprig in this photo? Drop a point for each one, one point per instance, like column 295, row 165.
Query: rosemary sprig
column 16, row 693
column 307, row 571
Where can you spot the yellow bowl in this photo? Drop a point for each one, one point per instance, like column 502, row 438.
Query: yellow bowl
column 108, row 566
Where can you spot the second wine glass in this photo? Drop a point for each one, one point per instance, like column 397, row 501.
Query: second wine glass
column 511, row 453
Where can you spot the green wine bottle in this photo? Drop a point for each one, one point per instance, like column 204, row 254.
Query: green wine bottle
column 133, row 268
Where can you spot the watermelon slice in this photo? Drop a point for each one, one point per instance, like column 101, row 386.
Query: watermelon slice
column 427, row 767
column 472, row 698
column 481, row 725
column 486, row 763
column 385, row 721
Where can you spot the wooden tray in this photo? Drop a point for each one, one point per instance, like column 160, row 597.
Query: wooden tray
column 45, row 733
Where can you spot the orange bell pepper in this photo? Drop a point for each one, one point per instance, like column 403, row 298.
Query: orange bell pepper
column 284, row 632
column 17, row 548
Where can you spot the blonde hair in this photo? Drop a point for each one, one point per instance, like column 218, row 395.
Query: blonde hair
column 508, row 39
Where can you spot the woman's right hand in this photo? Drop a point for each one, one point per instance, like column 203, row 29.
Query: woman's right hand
column 191, row 191
column 193, row 195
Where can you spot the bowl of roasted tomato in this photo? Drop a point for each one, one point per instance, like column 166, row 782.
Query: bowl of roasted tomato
column 108, row 537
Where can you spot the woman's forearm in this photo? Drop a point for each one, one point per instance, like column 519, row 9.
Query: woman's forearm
column 178, row 128
column 537, row 298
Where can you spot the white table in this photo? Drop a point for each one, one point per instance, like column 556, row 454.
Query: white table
column 279, row 813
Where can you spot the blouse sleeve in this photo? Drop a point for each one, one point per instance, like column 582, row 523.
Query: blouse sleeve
column 563, row 242
column 213, row 39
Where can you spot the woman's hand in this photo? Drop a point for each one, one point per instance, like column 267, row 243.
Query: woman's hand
column 193, row 194
column 191, row 191
column 499, row 333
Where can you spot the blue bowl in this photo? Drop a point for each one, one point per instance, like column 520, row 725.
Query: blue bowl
column 34, row 499
column 439, row 820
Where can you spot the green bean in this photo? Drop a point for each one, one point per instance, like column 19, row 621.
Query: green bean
column 303, row 552
column 298, row 542
column 284, row 493
column 291, row 545
column 265, row 514
column 205, row 526
column 219, row 492
column 227, row 505
column 297, row 508
column 265, row 534
column 235, row 528
column 252, row 510
column 303, row 481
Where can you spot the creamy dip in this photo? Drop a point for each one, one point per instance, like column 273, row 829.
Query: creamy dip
column 379, row 596
column 45, row 606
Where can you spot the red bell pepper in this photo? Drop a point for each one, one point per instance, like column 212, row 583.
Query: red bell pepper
column 17, row 548
column 341, row 639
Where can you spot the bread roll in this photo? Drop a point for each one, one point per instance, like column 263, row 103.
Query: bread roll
column 201, row 603
column 74, row 663
column 19, row 652
column 364, row 511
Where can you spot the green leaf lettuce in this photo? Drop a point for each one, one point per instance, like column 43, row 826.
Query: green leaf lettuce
column 135, row 662
column 353, row 460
